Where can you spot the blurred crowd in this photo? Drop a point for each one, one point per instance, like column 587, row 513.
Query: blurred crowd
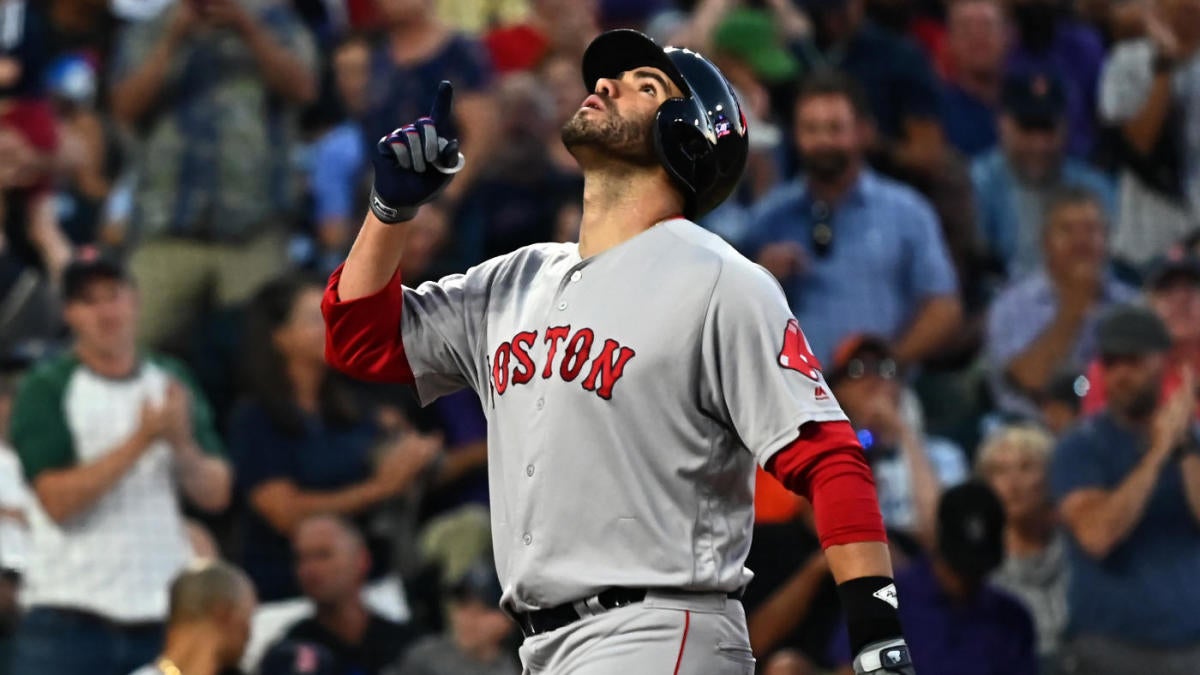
column 984, row 213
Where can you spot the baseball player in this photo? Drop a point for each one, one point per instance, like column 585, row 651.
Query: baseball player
column 631, row 381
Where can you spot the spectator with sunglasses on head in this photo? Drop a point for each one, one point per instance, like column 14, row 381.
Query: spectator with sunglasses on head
column 854, row 251
column 911, row 469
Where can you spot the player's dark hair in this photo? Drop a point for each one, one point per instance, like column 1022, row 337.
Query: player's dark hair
column 829, row 82
column 264, row 371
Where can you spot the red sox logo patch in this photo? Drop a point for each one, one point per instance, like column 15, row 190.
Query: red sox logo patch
column 796, row 355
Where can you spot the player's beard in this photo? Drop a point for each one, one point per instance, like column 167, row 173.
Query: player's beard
column 613, row 136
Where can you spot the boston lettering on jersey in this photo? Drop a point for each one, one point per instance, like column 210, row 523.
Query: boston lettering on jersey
column 567, row 354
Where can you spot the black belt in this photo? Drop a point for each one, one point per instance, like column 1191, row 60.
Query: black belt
column 553, row 618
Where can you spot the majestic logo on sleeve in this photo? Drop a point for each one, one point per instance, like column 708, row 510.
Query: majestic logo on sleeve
column 568, row 354
column 796, row 355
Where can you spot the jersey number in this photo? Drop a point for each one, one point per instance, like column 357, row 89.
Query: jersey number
column 796, row 355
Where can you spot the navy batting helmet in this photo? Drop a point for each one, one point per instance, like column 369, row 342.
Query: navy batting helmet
column 701, row 138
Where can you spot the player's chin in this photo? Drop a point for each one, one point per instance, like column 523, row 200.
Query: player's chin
column 580, row 130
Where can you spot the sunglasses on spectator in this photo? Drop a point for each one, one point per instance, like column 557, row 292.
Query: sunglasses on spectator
column 858, row 368
column 822, row 229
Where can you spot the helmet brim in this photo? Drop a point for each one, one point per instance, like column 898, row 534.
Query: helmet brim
column 616, row 51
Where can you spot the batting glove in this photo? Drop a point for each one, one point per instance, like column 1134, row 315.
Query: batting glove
column 889, row 657
column 414, row 163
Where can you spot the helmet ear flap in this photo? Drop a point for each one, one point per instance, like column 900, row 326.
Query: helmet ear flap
column 684, row 148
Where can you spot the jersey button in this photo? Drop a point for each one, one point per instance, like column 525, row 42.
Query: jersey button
column 529, row 470
column 541, row 403
column 562, row 306
column 528, row 539
column 577, row 276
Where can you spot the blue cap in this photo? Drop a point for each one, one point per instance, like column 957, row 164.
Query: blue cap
column 1036, row 100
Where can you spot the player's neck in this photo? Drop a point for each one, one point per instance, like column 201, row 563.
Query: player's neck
column 617, row 208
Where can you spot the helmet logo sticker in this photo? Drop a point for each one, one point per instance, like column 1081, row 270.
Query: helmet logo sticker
column 722, row 127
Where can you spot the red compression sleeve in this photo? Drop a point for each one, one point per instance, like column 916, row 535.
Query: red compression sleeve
column 826, row 465
column 362, row 336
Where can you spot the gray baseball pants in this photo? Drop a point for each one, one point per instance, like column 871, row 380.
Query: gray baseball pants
column 666, row 634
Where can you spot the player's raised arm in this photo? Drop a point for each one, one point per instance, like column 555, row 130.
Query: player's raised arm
column 363, row 302
column 413, row 165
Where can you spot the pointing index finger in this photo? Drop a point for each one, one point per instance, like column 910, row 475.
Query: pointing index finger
column 441, row 103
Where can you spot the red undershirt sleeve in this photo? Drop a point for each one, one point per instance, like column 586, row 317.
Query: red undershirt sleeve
column 826, row 465
column 362, row 336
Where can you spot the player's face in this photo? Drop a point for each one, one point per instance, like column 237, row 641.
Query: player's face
column 829, row 136
column 1178, row 304
column 104, row 318
column 617, row 120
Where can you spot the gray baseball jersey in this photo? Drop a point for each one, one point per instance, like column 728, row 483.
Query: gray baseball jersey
column 628, row 398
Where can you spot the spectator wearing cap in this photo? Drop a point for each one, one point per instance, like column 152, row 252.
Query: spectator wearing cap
column 911, row 469
column 478, row 632
column 1046, row 320
column 1015, row 182
column 1127, row 485
column 108, row 438
column 1048, row 39
column 210, row 91
column 955, row 621
column 818, row 233
column 1148, row 96
column 332, row 562
column 208, row 627
column 1013, row 461
column 1172, row 290
column 977, row 41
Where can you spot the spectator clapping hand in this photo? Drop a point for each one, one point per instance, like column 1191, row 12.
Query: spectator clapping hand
column 404, row 459
column 177, row 410
column 1174, row 416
